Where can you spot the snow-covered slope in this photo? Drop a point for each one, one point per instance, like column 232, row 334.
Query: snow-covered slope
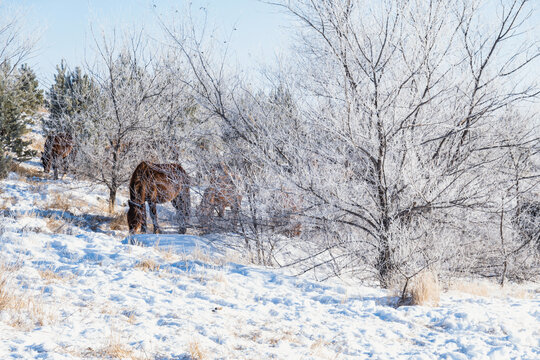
column 72, row 288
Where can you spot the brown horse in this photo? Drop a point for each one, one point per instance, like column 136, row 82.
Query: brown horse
column 156, row 184
column 57, row 148
column 221, row 193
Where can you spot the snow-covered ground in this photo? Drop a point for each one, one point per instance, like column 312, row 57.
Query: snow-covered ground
column 70, row 287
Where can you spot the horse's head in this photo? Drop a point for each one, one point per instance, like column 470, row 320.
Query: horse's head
column 135, row 217
column 46, row 162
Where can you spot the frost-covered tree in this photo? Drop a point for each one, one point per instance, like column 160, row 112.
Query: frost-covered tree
column 69, row 95
column 20, row 98
column 405, row 97
column 139, row 113
column 398, row 103
column 19, row 95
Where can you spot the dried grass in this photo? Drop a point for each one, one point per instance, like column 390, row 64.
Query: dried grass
column 117, row 351
column 50, row 276
column 199, row 254
column 55, row 225
column 58, row 202
column 115, row 348
column 169, row 254
column 489, row 289
column 26, row 171
column 7, row 202
column 25, row 312
column 131, row 318
column 321, row 349
column 119, row 221
column 147, row 265
column 425, row 289
column 195, row 350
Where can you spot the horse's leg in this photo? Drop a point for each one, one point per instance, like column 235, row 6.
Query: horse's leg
column 143, row 216
column 55, row 167
column 220, row 208
column 153, row 215
column 65, row 165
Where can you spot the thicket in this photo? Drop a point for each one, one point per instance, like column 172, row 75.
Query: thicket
column 397, row 139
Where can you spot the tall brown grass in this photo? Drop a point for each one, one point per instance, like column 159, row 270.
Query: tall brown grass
column 25, row 311
column 422, row 289
column 26, row 171
column 195, row 350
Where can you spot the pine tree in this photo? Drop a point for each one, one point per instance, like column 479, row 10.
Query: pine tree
column 20, row 98
column 70, row 94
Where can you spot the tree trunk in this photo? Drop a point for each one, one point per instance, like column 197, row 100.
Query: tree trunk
column 112, row 199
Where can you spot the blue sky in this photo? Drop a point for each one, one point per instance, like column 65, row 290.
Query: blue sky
column 261, row 30
column 64, row 26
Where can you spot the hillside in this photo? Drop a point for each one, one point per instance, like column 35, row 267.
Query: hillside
column 72, row 286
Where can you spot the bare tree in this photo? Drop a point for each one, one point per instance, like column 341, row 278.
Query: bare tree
column 125, row 114
column 15, row 46
column 397, row 106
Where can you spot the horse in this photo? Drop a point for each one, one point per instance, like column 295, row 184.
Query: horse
column 221, row 193
column 57, row 148
column 156, row 184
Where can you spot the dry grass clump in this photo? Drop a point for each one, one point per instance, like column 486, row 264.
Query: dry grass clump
column 423, row 289
column 204, row 256
column 131, row 317
column 25, row 171
column 147, row 265
column 321, row 349
column 195, row 350
column 117, row 351
column 199, row 254
column 7, row 202
column 168, row 254
column 113, row 350
column 55, row 225
column 50, row 276
column 102, row 206
column 486, row 288
column 119, row 221
column 58, row 202
column 25, row 312
column 235, row 257
column 80, row 204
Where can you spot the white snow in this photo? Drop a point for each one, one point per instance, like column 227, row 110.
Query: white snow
column 83, row 293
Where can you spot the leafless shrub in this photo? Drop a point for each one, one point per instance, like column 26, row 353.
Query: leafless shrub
column 389, row 140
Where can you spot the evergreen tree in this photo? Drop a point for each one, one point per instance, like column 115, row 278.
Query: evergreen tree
column 68, row 96
column 20, row 98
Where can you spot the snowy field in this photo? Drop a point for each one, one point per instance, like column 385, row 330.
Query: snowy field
column 73, row 287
